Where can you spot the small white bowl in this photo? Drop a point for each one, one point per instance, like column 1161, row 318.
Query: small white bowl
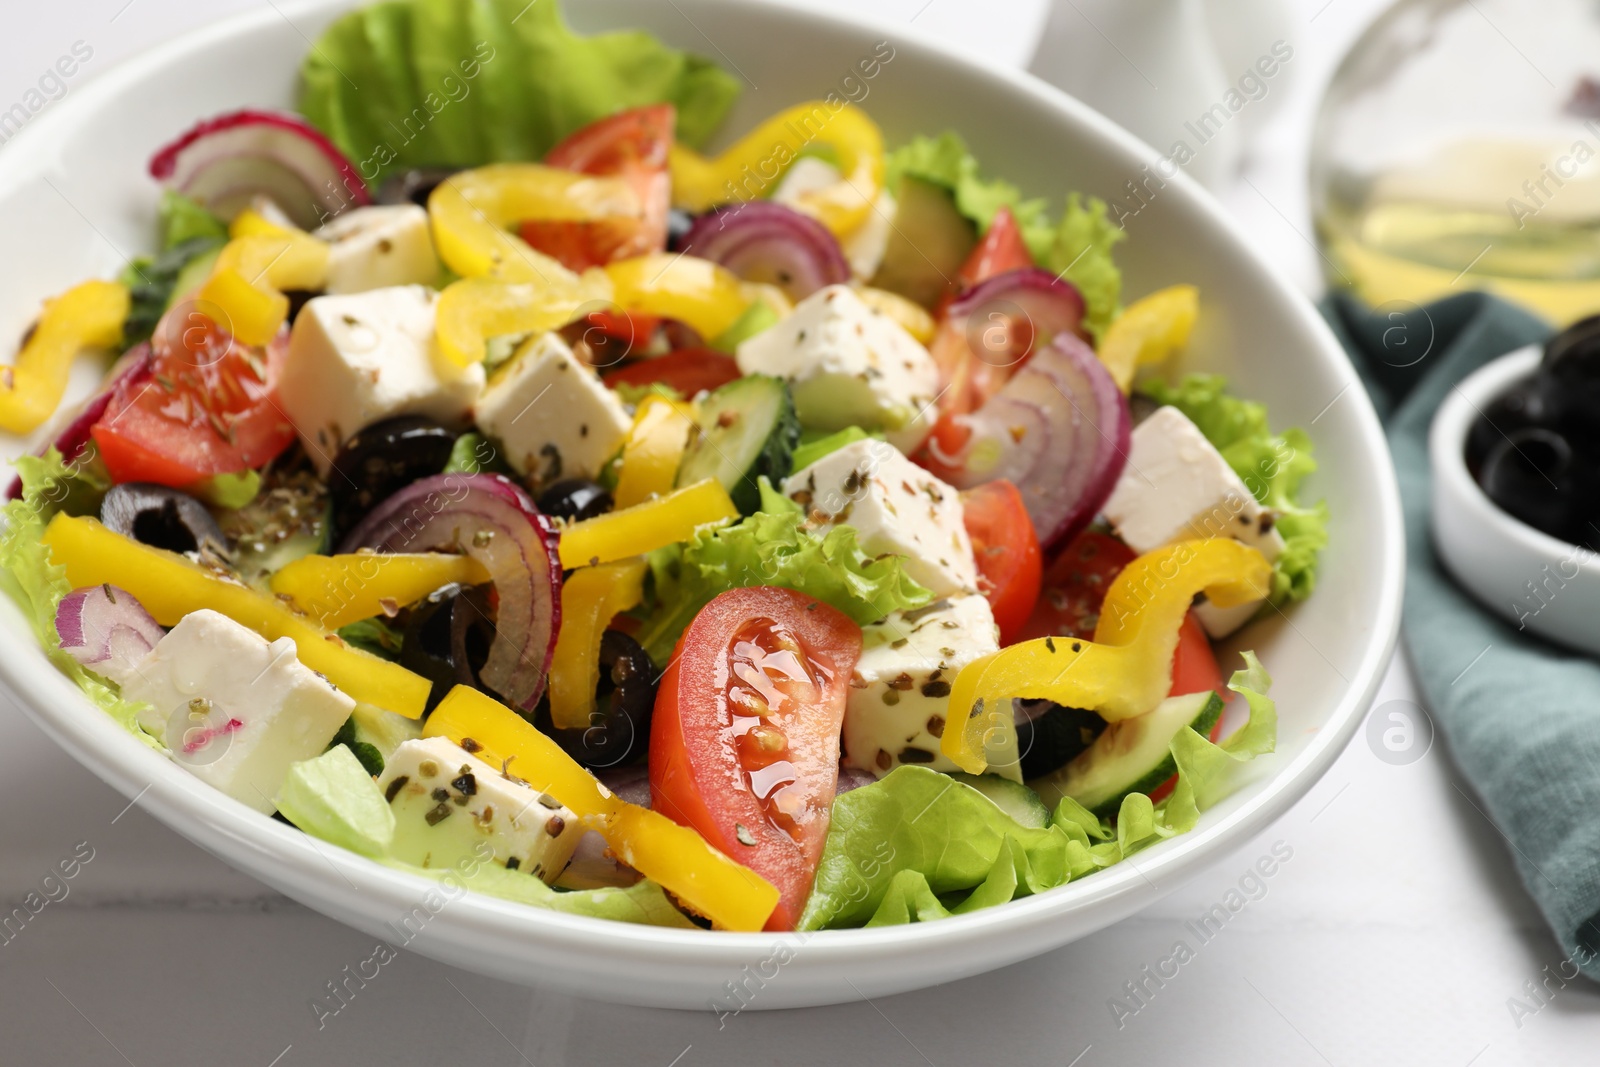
column 1537, row 582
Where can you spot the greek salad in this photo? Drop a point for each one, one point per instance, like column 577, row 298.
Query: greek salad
column 801, row 535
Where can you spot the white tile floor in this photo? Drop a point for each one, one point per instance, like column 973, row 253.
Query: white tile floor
column 1396, row 932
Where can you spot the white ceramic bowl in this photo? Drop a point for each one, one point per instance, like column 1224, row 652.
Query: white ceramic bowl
column 75, row 202
column 1538, row 582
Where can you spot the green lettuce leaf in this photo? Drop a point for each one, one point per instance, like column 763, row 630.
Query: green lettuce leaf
column 1271, row 465
column 1077, row 247
column 37, row 584
column 460, row 83
column 184, row 219
column 919, row 845
column 644, row 902
column 772, row 547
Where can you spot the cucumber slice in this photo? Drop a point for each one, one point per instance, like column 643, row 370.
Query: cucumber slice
column 747, row 429
column 928, row 243
column 1131, row 756
column 1013, row 798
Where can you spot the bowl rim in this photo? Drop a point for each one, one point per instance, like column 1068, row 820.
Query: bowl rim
column 217, row 822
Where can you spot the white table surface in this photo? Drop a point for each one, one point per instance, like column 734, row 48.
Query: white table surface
column 1396, row 934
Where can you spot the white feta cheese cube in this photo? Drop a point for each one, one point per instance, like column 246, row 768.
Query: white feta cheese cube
column 362, row 357
column 234, row 710
column 849, row 365
column 446, row 802
column 552, row 414
column 900, row 691
column 895, row 506
column 1177, row 486
column 378, row 247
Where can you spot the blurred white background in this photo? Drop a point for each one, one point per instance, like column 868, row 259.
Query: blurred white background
column 1396, row 934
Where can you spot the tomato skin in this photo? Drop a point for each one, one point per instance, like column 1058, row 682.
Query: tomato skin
column 210, row 406
column 688, row 370
column 631, row 144
column 1007, row 552
column 1001, row 249
column 705, row 749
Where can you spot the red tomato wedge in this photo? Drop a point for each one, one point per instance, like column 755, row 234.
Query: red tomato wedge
column 210, row 406
column 1001, row 249
column 744, row 742
column 1007, row 553
column 630, row 144
column 688, row 370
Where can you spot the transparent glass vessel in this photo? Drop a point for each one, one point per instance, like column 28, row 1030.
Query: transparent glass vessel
column 1458, row 147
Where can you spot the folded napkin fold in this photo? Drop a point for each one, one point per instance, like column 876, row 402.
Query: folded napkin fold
column 1522, row 721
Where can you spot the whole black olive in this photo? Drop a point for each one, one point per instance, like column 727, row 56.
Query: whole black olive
column 1534, row 475
column 380, row 461
column 1572, row 368
column 1525, row 405
column 575, row 498
column 1049, row 735
column 412, row 186
column 679, row 223
column 161, row 517
column 447, row 637
column 619, row 729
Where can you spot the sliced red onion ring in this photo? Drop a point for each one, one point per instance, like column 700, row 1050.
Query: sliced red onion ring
column 106, row 629
column 1008, row 316
column 132, row 370
column 227, row 160
column 491, row 519
column 761, row 241
column 1058, row 430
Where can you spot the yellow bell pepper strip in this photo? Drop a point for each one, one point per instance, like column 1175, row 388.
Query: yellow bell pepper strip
column 246, row 284
column 654, row 448
column 646, row 527
column 471, row 213
column 1127, row 669
column 705, row 880
column 473, row 310
column 590, row 598
column 750, row 169
column 339, row 590
column 86, row 316
column 695, row 291
column 917, row 322
column 1148, row 331
column 251, row 223
column 171, row 586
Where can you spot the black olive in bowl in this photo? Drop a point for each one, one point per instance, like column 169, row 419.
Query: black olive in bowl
column 619, row 730
column 380, row 461
column 160, row 516
column 575, row 498
column 447, row 637
column 1535, row 474
column 412, row 186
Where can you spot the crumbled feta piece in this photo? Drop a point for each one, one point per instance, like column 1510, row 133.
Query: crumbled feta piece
column 234, row 710
column 446, row 801
column 895, row 506
column 849, row 365
column 358, row 358
column 808, row 174
column 900, row 692
column 552, row 413
column 1177, row 486
column 378, row 247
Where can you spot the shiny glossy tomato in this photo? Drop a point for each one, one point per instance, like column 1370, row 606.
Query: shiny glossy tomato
column 744, row 740
column 1007, row 553
column 210, row 406
column 688, row 370
column 1001, row 249
column 630, row 144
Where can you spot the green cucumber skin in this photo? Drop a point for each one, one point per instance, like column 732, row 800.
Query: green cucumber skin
column 1050, row 787
column 1201, row 725
column 773, row 460
column 1013, row 798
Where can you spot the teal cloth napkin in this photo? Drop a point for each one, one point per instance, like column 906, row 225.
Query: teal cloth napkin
column 1523, row 723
